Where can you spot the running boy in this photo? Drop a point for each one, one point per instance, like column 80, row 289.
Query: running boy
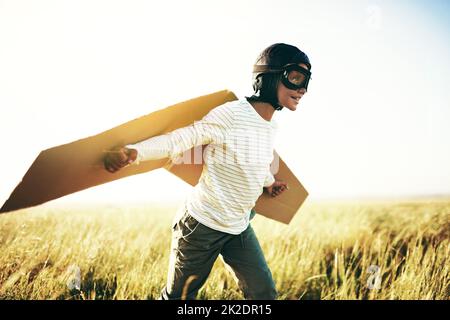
column 215, row 219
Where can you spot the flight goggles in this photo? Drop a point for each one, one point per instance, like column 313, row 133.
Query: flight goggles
column 293, row 76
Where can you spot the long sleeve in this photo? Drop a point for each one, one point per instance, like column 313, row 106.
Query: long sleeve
column 270, row 179
column 213, row 128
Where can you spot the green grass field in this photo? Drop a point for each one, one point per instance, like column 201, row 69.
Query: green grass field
column 383, row 250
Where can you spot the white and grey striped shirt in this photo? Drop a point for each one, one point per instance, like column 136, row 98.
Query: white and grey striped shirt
column 236, row 163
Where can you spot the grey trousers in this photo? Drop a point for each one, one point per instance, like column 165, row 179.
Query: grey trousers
column 195, row 247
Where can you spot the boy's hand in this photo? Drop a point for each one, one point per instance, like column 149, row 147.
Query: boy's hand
column 277, row 188
column 118, row 158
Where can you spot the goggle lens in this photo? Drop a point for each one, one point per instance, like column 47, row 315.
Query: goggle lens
column 296, row 78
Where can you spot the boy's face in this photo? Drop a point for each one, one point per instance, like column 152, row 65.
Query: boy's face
column 290, row 98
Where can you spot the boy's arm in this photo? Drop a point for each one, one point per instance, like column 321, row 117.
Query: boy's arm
column 211, row 129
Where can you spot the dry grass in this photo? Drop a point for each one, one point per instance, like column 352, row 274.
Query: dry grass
column 325, row 253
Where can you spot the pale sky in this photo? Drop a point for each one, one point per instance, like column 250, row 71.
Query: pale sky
column 374, row 122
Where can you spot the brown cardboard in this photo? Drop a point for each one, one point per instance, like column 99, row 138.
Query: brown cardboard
column 78, row 165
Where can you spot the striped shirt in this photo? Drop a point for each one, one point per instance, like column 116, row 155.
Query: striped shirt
column 236, row 163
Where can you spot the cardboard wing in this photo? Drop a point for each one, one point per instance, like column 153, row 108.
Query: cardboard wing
column 78, row 165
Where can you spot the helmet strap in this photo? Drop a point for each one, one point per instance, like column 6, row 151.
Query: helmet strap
column 277, row 106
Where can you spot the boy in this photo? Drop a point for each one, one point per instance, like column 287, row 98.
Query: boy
column 215, row 219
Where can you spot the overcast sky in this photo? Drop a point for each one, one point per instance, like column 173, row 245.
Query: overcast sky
column 374, row 123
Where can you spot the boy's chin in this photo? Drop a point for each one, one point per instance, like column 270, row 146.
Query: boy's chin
column 292, row 107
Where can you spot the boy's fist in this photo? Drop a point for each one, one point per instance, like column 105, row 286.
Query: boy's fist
column 277, row 188
column 118, row 158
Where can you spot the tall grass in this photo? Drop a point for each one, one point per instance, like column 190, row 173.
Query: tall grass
column 329, row 251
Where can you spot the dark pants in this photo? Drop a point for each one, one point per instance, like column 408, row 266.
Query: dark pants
column 195, row 248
